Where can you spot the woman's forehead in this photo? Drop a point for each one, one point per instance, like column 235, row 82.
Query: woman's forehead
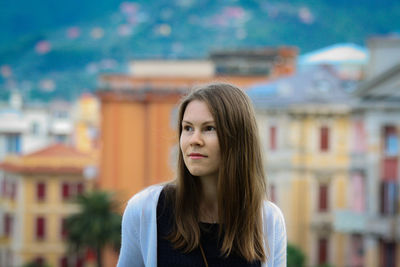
column 197, row 110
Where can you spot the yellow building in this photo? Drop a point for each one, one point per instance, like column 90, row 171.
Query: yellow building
column 37, row 190
column 304, row 123
column 86, row 117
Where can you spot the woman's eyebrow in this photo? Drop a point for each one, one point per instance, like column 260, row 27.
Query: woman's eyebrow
column 206, row 122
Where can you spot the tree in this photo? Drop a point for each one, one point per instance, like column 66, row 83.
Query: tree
column 295, row 257
column 95, row 226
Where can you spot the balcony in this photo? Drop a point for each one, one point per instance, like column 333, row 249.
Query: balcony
column 322, row 222
column 387, row 227
column 358, row 161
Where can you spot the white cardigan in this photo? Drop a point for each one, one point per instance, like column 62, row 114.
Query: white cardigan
column 139, row 231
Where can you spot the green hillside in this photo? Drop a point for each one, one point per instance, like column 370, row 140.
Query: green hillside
column 58, row 49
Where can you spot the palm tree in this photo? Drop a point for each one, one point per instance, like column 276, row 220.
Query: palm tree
column 95, row 226
column 295, row 257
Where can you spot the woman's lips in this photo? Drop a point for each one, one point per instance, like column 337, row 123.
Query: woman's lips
column 196, row 156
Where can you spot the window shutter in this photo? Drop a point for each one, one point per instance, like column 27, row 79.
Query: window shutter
column 323, row 198
column 64, row 262
column 40, row 227
column 40, row 191
column 13, row 190
column 63, row 228
column 65, row 191
column 324, row 138
column 322, row 251
column 7, row 224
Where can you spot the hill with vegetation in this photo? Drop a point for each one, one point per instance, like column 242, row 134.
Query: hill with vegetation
column 57, row 49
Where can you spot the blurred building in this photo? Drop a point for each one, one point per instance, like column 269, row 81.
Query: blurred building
column 304, row 122
column 272, row 62
column 28, row 127
column 384, row 54
column 371, row 219
column 332, row 159
column 60, row 123
column 36, row 196
column 349, row 60
column 85, row 116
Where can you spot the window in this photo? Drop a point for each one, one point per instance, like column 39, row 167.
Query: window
column 324, row 139
column 357, row 193
column 388, row 197
column 40, row 261
column 359, row 140
column 71, row 190
column 64, row 262
column 8, row 221
column 13, row 143
column 40, row 191
column 79, row 262
column 8, row 188
column 13, row 190
column 391, row 141
column 35, row 128
column 323, row 198
column 61, row 114
column 390, row 169
column 65, row 191
column 388, row 253
column 61, row 138
column 357, row 251
column 4, row 187
column 272, row 138
column 322, row 250
column 40, row 228
column 63, row 228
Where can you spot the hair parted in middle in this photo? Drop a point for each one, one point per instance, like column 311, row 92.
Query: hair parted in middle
column 242, row 187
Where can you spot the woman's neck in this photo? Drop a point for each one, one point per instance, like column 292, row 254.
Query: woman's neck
column 209, row 200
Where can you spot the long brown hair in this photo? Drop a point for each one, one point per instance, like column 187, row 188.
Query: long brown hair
column 241, row 181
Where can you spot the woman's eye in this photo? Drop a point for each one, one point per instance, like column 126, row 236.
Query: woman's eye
column 187, row 128
column 210, row 128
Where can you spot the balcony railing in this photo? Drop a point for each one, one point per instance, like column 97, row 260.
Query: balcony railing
column 387, row 227
column 358, row 161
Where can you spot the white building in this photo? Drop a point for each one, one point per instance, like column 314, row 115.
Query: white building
column 26, row 128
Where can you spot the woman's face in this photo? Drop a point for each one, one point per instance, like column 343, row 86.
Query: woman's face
column 199, row 140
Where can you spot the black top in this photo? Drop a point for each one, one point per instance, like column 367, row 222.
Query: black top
column 168, row 256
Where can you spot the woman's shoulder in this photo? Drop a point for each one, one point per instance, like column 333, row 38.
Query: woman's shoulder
column 150, row 193
column 273, row 213
column 275, row 232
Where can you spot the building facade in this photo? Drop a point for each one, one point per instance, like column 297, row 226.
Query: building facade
column 36, row 196
column 25, row 128
column 332, row 160
column 304, row 121
column 372, row 219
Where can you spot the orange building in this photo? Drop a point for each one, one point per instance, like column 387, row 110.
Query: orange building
column 137, row 138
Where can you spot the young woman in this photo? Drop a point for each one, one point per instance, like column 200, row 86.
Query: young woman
column 216, row 212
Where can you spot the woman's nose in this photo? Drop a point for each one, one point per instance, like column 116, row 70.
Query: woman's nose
column 196, row 138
